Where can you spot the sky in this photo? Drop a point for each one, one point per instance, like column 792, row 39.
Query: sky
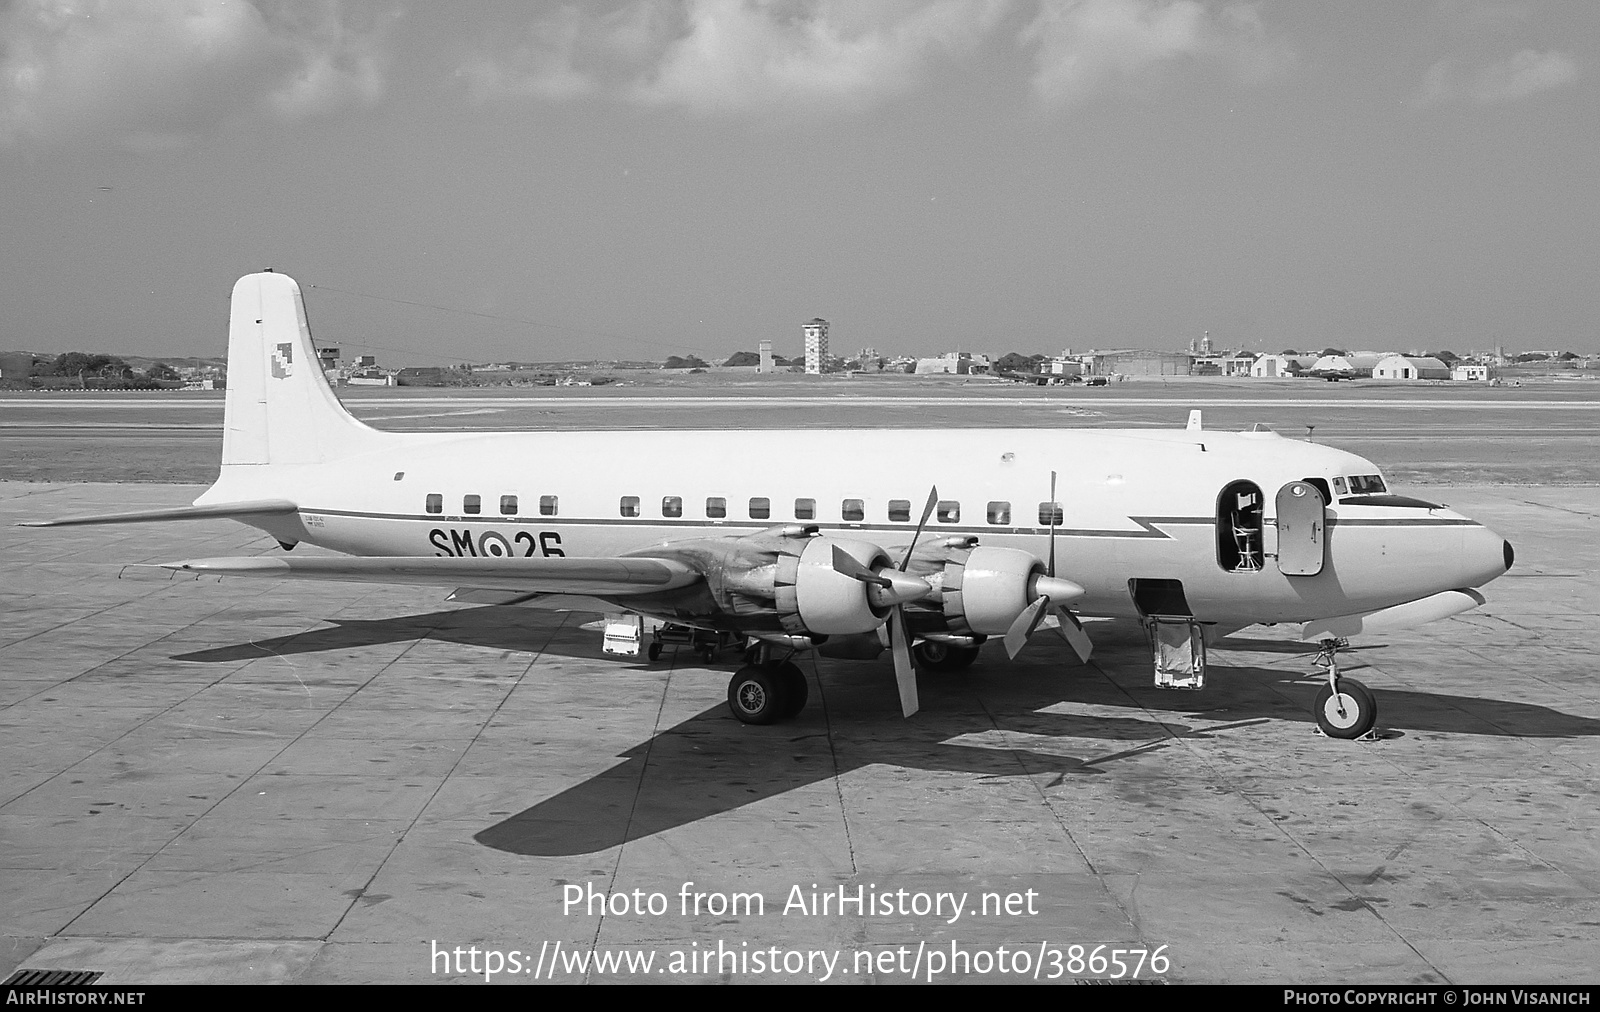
column 545, row 181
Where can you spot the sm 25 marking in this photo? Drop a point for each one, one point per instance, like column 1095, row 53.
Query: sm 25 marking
column 494, row 545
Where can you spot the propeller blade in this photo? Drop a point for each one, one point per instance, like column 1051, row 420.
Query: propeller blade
column 846, row 565
column 927, row 511
column 1024, row 625
column 905, row 676
column 1051, row 569
column 1071, row 630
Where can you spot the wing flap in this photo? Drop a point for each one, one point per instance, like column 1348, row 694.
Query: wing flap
column 608, row 577
column 227, row 511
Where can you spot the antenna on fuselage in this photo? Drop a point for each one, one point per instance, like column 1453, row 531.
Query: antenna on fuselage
column 1310, row 433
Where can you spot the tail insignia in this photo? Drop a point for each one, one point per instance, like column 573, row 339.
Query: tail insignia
column 283, row 361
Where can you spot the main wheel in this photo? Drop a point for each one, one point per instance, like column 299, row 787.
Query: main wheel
column 1350, row 714
column 795, row 689
column 756, row 695
column 654, row 651
column 935, row 655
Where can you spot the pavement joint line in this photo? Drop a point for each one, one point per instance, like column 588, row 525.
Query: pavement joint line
column 656, row 731
column 1282, row 830
column 243, row 780
column 833, row 755
column 66, row 681
column 400, row 837
column 1055, row 814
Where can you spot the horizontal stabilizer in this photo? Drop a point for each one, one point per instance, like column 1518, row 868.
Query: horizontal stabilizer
column 1401, row 616
column 215, row 511
column 607, row 577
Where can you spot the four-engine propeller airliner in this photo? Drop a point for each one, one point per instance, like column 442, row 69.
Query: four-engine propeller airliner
column 819, row 539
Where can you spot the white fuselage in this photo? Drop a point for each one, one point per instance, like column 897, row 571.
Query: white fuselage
column 1135, row 505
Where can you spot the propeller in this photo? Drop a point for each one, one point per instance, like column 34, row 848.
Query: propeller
column 1051, row 592
column 892, row 588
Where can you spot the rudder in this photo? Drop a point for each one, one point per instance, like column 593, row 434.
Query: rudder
column 279, row 408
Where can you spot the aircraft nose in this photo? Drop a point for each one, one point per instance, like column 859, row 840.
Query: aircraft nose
column 1485, row 556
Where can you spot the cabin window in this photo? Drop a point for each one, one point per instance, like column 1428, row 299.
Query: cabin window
column 630, row 505
column 672, row 506
column 999, row 513
column 900, row 511
column 805, row 509
column 716, row 507
column 853, row 510
column 508, row 505
column 548, row 505
column 1239, row 520
column 435, row 503
column 948, row 512
column 760, row 508
column 1050, row 514
column 472, row 504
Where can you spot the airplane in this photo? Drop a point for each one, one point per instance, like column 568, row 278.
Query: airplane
column 815, row 540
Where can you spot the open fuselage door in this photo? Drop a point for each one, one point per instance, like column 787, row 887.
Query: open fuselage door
column 1302, row 529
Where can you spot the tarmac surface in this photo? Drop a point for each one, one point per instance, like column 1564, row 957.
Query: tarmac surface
column 249, row 781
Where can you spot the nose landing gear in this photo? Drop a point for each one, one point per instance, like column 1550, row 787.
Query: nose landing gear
column 1345, row 708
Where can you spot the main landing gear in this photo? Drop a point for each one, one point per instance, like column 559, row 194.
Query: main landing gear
column 936, row 655
column 1345, row 708
column 767, row 692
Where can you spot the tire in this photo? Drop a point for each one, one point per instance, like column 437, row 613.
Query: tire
column 756, row 696
column 654, row 651
column 795, row 689
column 934, row 655
column 1360, row 710
column 708, row 653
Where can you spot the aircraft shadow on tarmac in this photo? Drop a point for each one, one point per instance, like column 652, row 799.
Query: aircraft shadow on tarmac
column 705, row 765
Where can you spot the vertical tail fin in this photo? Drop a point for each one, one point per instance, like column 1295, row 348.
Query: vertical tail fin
column 279, row 407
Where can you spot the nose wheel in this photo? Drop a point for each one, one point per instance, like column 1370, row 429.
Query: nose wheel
column 1345, row 708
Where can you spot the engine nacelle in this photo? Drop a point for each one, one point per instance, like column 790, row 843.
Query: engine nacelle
column 978, row 591
column 985, row 592
column 812, row 597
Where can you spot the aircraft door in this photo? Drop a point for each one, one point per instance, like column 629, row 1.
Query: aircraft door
column 1302, row 529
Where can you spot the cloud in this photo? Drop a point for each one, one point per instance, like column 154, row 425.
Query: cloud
column 731, row 57
column 739, row 57
column 1524, row 74
column 1087, row 46
column 540, row 67
column 154, row 74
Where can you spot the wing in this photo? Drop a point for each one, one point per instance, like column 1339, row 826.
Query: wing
column 619, row 577
column 230, row 511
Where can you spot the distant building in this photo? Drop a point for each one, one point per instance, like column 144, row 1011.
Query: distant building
column 1281, row 366
column 1470, row 373
column 1136, row 363
column 1403, row 367
column 816, row 335
column 954, row 363
column 765, row 365
column 1207, row 364
column 1353, row 366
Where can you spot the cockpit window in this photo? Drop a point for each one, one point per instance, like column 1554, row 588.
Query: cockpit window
column 1367, row 484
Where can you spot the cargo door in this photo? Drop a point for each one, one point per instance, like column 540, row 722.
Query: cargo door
column 1302, row 524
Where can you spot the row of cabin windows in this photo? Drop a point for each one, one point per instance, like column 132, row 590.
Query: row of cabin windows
column 946, row 511
column 549, row 505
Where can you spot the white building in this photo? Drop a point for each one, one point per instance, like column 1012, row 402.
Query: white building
column 816, row 334
column 1403, row 367
column 1470, row 373
column 1281, row 366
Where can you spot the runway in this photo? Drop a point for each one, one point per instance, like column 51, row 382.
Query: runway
column 247, row 781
